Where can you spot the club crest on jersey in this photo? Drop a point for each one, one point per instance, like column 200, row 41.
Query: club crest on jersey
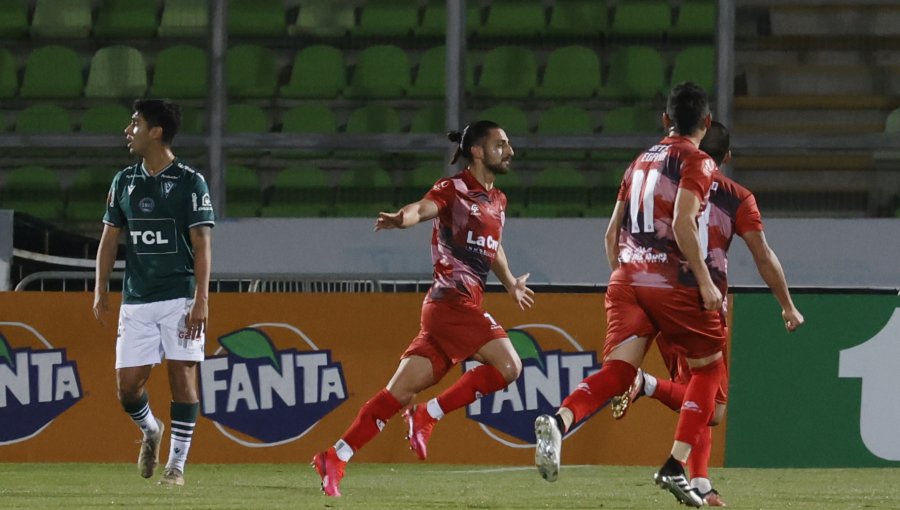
column 507, row 416
column 146, row 205
column 474, row 211
column 167, row 187
column 37, row 383
column 258, row 395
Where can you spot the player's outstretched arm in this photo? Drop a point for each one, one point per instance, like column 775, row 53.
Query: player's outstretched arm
column 772, row 273
column 408, row 215
column 515, row 286
column 687, row 236
column 612, row 235
column 106, row 259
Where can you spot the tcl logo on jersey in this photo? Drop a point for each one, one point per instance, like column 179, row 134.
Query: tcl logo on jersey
column 148, row 237
column 547, row 377
column 259, row 396
column 152, row 236
column 36, row 385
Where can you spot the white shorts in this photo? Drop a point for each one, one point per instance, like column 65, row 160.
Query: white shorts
column 149, row 331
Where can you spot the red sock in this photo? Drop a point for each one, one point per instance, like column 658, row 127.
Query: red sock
column 481, row 380
column 698, row 462
column 614, row 377
column 371, row 419
column 669, row 393
column 699, row 402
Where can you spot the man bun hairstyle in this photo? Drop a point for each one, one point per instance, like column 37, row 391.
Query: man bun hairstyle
column 686, row 107
column 716, row 142
column 469, row 136
column 161, row 113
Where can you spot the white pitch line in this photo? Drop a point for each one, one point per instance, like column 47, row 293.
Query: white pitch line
column 502, row 470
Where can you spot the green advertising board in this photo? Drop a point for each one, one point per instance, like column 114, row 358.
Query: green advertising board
column 827, row 395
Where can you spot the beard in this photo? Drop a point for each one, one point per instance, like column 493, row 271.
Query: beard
column 499, row 167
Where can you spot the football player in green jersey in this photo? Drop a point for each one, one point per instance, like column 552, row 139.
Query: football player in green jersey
column 164, row 208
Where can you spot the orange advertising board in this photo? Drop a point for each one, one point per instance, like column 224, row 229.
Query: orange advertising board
column 286, row 374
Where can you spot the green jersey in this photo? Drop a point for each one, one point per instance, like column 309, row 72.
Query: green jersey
column 158, row 213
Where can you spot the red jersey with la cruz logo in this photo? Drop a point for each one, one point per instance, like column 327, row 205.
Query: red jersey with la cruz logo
column 648, row 253
column 465, row 238
column 732, row 210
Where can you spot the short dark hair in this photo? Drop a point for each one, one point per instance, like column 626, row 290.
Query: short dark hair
column 688, row 104
column 716, row 142
column 160, row 113
column 471, row 135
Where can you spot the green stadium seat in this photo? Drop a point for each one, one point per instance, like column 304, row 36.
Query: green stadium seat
column 381, row 72
column 387, row 18
column 635, row 72
column 309, row 118
column 429, row 120
column 107, row 119
column 33, row 190
column 370, row 119
column 243, row 197
column 184, row 18
column 256, row 18
column 86, row 196
column 434, row 19
column 181, row 72
column 193, row 121
column 696, row 18
column 696, row 64
column 117, row 71
column 61, row 18
column 13, row 19
column 246, row 118
column 9, row 77
column 512, row 119
column 508, row 72
column 418, row 181
column 430, row 79
column 557, row 192
column 250, row 71
column 514, row 18
column 318, row 72
column 364, row 191
column 641, row 19
column 627, row 120
column 892, row 122
column 44, row 118
column 560, row 121
column 132, row 19
column 571, row 72
column 324, row 18
column 511, row 186
column 300, row 191
column 52, row 72
column 578, row 19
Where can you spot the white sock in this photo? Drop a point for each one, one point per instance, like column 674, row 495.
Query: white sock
column 182, row 433
column 434, row 409
column 703, row 485
column 649, row 384
column 145, row 420
column 343, row 450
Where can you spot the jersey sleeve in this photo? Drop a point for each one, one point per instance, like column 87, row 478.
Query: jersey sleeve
column 200, row 210
column 697, row 175
column 442, row 193
column 624, row 185
column 747, row 218
column 114, row 216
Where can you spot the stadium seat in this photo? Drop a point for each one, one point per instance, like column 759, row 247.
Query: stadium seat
column 434, row 19
column 387, row 18
column 318, row 72
column 418, row 181
column 696, row 64
column 578, row 18
column 558, row 191
column 381, row 72
column 641, row 19
column 52, row 72
column 13, row 19
column 511, row 185
column 696, row 18
column 44, row 118
column 627, row 120
column 184, row 18
column 132, row 19
column 514, row 18
column 430, row 82
column 256, row 18
column 300, row 191
column 34, row 190
column 246, row 118
column 181, row 72
column 571, row 72
column 309, row 118
column 250, row 71
column 560, row 121
column 512, row 119
column 193, row 120
column 892, row 122
column 364, row 191
column 9, row 78
column 635, row 72
column 117, row 71
column 61, row 18
column 107, row 119
column 323, row 18
column 86, row 195
column 429, row 120
column 243, row 197
column 508, row 72
column 370, row 119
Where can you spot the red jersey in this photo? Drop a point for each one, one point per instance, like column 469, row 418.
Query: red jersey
column 648, row 253
column 466, row 236
column 732, row 210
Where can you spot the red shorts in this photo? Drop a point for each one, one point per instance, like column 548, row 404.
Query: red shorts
column 680, row 372
column 633, row 311
column 450, row 332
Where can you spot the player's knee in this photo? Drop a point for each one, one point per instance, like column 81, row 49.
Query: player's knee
column 129, row 396
column 511, row 370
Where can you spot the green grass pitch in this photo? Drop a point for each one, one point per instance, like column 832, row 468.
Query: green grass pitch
column 424, row 486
